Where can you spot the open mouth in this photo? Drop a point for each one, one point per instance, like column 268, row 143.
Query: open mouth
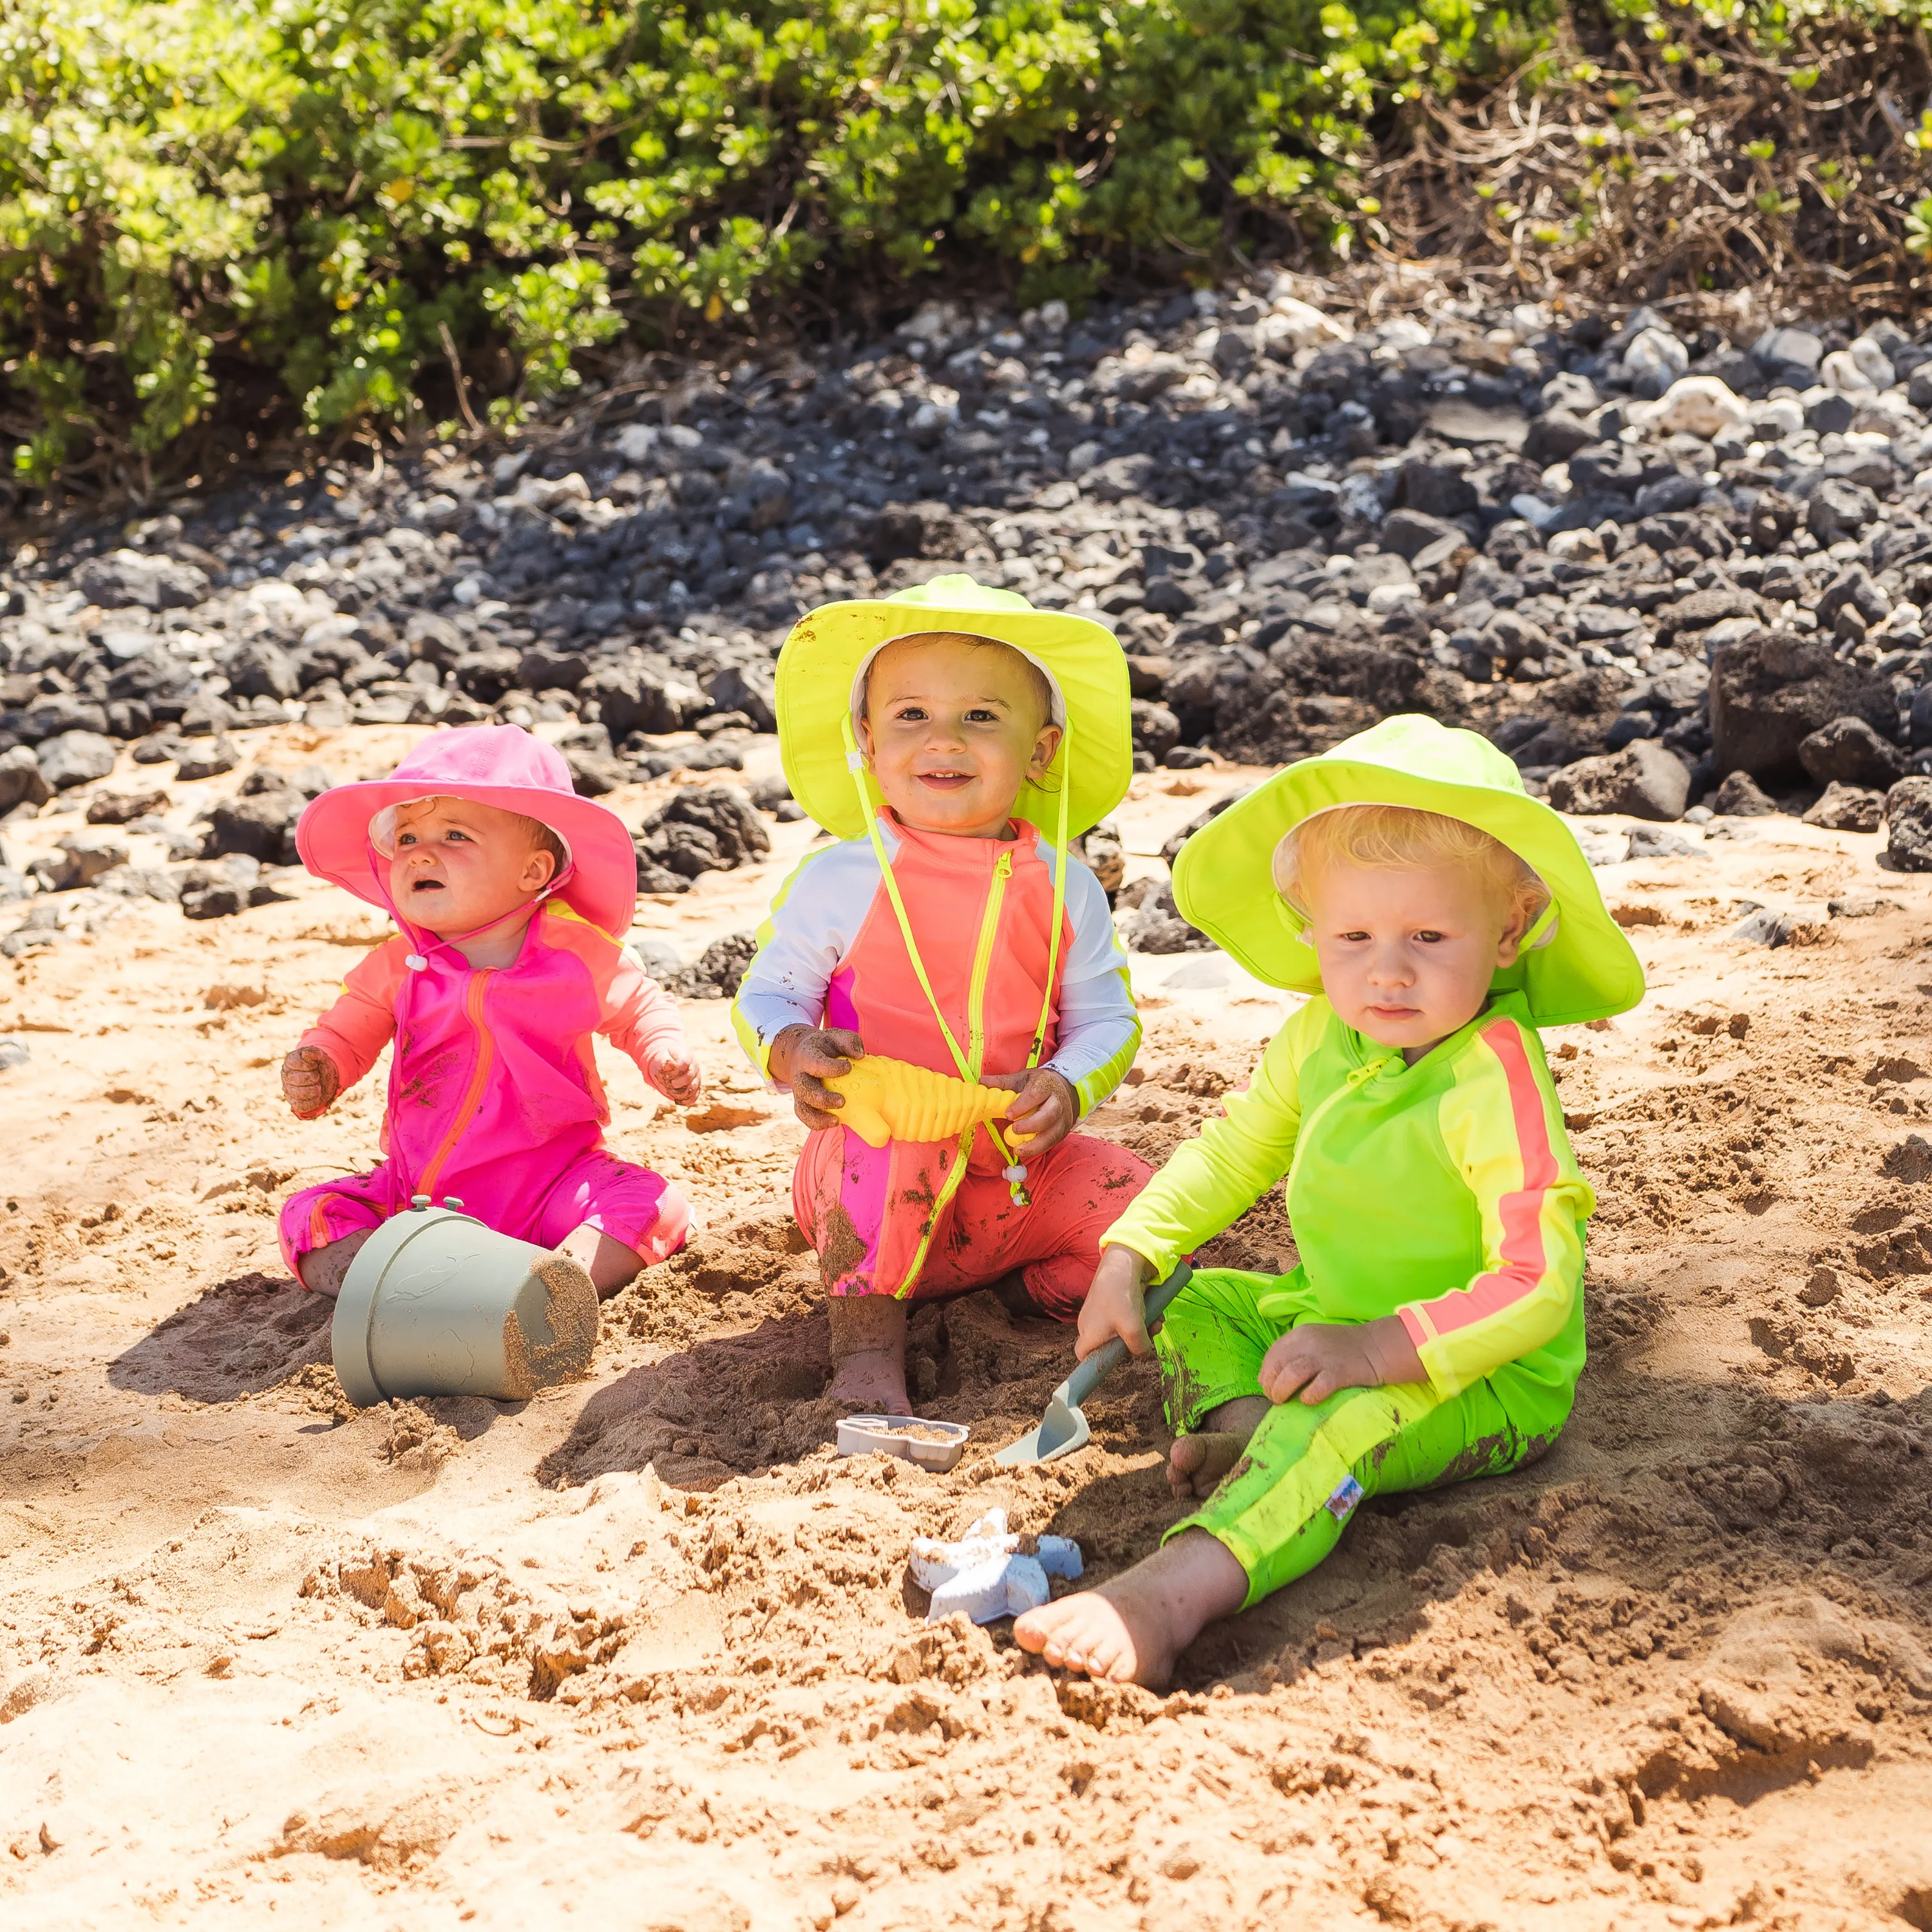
column 426, row 886
column 945, row 781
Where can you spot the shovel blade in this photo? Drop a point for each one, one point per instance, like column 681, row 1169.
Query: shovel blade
column 1062, row 1430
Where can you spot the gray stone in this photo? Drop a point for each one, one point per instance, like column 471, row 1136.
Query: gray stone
column 1408, row 532
column 1642, row 780
column 262, row 826
column 748, row 689
column 591, row 775
column 85, row 855
column 126, row 577
column 1158, row 927
column 123, row 807
column 717, row 972
column 657, row 956
column 75, row 758
column 14, row 1052
column 1555, row 436
column 1848, row 808
column 21, row 781
column 1741, row 797
column 1156, row 730
column 1839, row 509
column 1119, row 477
column 1764, row 927
column 1908, row 824
column 1848, row 752
column 210, row 760
column 1649, row 842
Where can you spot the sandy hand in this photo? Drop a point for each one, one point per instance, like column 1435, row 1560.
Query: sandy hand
column 310, row 1082
column 1116, row 1304
column 1043, row 1112
column 803, row 1058
column 675, row 1074
column 1318, row 1357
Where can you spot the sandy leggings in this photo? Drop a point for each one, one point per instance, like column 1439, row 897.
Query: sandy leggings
column 865, row 1214
column 1283, row 1506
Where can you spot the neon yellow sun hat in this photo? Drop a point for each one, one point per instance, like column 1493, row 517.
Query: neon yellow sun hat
column 821, row 676
column 1576, row 964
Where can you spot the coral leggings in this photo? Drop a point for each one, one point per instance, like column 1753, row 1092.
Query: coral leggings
column 847, row 1212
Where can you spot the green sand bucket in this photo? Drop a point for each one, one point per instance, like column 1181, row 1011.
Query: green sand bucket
column 436, row 1304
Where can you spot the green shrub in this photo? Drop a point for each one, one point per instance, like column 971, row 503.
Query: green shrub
column 328, row 209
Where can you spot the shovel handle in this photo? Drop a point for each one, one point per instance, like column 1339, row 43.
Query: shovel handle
column 1105, row 1359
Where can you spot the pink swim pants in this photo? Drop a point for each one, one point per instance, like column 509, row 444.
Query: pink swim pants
column 865, row 1219
column 631, row 1205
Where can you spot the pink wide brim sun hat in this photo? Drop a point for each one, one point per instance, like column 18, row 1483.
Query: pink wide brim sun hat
column 501, row 765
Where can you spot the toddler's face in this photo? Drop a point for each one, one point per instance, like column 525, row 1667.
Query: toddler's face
column 953, row 731
column 458, row 866
column 1407, row 953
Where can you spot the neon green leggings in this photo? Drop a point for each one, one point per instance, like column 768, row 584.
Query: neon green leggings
column 1282, row 1507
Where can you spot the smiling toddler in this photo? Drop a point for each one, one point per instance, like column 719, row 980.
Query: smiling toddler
column 939, row 734
column 507, row 890
column 1433, row 1330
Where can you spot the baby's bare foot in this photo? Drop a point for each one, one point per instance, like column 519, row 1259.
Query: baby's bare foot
column 874, row 1381
column 1132, row 1629
column 1196, row 1463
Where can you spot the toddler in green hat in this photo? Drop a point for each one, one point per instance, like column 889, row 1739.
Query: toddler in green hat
column 1433, row 1330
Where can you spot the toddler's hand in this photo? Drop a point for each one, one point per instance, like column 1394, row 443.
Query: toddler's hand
column 1115, row 1305
column 803, row 1058
column 675, row 1074
column 1045, row 1110
column 1318, row 1357
column 310, row 1082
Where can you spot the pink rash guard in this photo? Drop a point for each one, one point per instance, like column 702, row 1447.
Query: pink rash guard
column 494, row 1098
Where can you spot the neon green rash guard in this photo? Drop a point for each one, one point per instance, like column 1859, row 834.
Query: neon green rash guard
column 1445, row 1193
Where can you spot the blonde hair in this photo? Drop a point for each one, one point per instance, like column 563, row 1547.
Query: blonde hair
column 1037, row 679
column 1383, row 837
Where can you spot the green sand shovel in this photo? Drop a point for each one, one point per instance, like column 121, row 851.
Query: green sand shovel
column 1062, row 1429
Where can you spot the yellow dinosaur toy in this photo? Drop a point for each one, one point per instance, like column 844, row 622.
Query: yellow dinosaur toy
column 890, row 1100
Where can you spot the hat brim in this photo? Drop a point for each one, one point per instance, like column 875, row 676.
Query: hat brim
column 1223, row 883
column 600, row 885
column 825, row 648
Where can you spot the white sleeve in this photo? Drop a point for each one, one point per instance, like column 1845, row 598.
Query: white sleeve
column 813, row 918
column 1100, row 1029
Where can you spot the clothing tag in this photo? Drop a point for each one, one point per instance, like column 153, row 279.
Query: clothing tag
column 1348, row 1492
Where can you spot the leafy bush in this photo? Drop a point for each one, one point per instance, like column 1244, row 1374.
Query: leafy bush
column 371, row 212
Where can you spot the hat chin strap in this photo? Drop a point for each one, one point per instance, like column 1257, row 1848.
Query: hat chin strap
column 872, row 804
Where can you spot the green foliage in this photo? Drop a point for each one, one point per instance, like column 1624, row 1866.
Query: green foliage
column 342, row 202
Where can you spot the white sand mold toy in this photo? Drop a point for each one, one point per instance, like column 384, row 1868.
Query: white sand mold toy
column 436, row 1304
column 932, row 1445
column 988, row 1573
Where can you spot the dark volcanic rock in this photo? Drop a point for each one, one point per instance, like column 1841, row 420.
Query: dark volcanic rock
column 1848, row 752
column 1846, row 808
column 1908, row 819
column 1741, row 797
column 1643, row 780
column 1770, row 693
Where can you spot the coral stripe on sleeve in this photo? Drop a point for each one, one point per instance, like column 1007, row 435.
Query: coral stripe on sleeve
column 1524, row 1257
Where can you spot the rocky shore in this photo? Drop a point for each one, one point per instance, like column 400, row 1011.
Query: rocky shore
column 1670, row 573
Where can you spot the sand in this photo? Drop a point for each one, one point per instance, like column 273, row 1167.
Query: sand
column 644, row 1647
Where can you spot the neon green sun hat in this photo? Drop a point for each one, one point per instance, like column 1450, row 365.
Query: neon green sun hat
column 1577, row 964
column 821, row 693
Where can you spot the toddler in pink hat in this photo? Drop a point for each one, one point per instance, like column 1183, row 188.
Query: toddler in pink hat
column 510, row 894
